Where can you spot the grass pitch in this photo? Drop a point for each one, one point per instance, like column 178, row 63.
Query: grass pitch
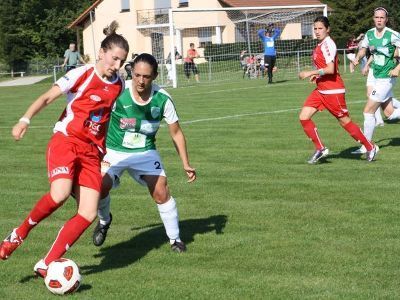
column 259, row 222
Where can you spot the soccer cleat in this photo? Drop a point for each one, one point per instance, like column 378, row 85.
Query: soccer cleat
column 178, row 247
column 100, row 232
column 361, row 150
column 40, row 269
column 370, row 155
column 10, row 243
column 318, row 155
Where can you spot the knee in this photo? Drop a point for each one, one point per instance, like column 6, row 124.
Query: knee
column 161, row 195
column 88, row 215
column 303, row 117
column 59, row 196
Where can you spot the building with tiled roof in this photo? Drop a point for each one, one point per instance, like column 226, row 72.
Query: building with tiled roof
column 147, row 27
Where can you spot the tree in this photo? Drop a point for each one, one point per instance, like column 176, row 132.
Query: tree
column 355, row 17
column 36, row 28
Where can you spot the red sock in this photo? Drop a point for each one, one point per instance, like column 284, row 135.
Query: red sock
column 357, row 134
column 43, row 208
column 312, row 133
column 67, row 236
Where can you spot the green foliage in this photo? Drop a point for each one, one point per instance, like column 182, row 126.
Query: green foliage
column 355, row 17
column 36, row 28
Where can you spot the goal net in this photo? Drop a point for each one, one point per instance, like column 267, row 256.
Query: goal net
column 220, row 37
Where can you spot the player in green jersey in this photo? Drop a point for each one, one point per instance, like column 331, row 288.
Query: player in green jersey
column 134, row 123
column 382, row 42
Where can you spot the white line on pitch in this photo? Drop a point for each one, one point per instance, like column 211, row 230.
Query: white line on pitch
column 220, row 118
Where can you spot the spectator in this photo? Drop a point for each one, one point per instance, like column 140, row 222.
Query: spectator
column 128, row 67
column 243, row 61
column 251, row 64
column 189, row 64
column 168, row 63
column 268, row 37
column 72, row 57
column 351, row 47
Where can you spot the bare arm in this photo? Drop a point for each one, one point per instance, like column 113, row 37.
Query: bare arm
column 365, row 70
column 45, row 99
column 81, row 59
column 180, row 145
column 329, row 69
column 360, row 54
column 395, row 71
column 65, row 61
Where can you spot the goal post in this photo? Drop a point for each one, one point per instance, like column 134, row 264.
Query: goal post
column 221, row 34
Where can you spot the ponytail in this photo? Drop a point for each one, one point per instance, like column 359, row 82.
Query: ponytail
column 113, row 38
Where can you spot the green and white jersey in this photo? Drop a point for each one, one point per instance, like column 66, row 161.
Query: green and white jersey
column 133, row 125
column 382, row 50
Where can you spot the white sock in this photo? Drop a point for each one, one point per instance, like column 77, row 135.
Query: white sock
column 395, row 115
column 396, row 103
column 369, row 125
column 169, row 215
column 378, row 116
column 104, row 210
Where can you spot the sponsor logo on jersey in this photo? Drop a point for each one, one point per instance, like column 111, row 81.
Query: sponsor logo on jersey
column 95, row 98
column 155, row 112
column 65, row 77
column 106, row 88
column 94, row 127
column 96, row 116
column 127, row 123
column 58, row 171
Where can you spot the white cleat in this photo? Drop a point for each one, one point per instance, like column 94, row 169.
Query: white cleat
column 370, row 156
column 361, row 150
column 318, row 155
column 40, row 269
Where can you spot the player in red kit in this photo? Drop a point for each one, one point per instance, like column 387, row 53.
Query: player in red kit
column 329, row 94
column 76, row 148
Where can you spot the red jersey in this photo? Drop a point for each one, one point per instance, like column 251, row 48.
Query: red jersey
column 191, row 53
column 89, row 102
column 324, row 53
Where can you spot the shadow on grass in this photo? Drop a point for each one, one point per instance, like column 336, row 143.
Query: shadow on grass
column 125, row 253
column 83, row 287
column 390, row 142
column 346, row 153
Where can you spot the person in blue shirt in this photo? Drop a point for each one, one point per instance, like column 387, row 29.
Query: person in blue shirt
column 268, row 37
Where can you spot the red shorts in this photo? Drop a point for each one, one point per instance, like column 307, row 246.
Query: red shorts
column 72, row 158
column 334, row 103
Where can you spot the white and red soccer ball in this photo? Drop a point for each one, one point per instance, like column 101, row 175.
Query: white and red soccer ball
column 63, row 277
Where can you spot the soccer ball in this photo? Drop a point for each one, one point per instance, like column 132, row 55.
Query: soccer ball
column 63, row 277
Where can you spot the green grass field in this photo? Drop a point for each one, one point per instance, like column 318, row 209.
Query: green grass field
column 259, row 223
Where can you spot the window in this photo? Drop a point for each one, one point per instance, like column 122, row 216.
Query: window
column 162, row 4
column 183, row 3
column 125, row 6
column 205, row 36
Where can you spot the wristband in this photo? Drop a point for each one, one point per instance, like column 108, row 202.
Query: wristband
column 321, row 72
column 25, row 120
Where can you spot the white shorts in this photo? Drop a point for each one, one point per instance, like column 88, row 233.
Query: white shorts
column 370, row 78
column 137, row 164
column 351, row 56
column 382, row 89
